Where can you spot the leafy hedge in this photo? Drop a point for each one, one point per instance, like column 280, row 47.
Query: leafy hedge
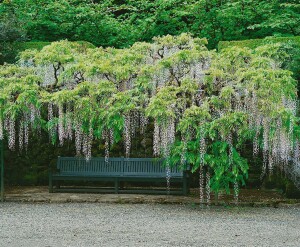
column 253, row 43
column 22, row 46
column 38, row 45
column 10, row 51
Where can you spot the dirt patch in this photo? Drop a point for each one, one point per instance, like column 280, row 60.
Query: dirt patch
column 254, row 198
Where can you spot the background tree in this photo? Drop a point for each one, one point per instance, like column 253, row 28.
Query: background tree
column 121, row 23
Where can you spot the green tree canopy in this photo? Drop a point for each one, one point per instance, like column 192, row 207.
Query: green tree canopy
column 121, row 23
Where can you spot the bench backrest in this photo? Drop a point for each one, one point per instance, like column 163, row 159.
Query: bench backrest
column 115, row 167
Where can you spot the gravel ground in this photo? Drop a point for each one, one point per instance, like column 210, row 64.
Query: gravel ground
column 145, row 225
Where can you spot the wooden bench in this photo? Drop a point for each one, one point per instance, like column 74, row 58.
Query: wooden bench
column 115, row 170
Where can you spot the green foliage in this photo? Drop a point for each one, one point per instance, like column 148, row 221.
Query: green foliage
column 225, row 172
column 122, row 23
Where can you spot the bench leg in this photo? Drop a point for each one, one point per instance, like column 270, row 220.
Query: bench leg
column 185, row 187
column 116, row 186
column 50, row 184
column 57, row 185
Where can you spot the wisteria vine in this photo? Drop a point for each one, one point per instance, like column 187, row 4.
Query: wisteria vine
column 199, row 104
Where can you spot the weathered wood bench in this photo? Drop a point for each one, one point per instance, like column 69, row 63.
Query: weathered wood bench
column 115, row 170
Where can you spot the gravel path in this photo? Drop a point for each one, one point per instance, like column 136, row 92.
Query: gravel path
column 145, row 225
